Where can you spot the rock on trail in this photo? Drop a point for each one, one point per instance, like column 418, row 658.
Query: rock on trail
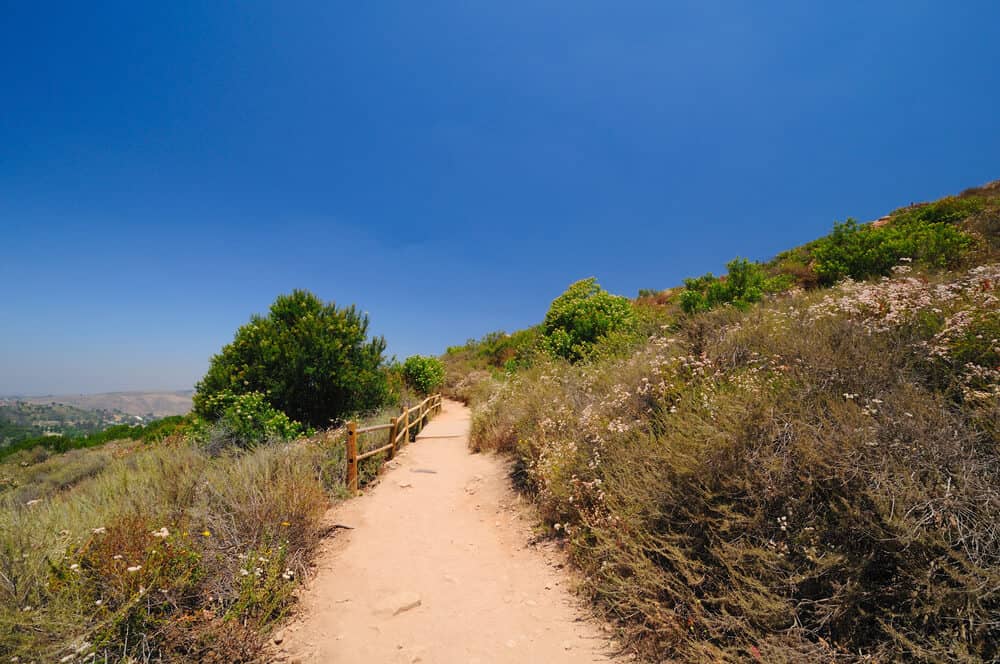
column 437, row 568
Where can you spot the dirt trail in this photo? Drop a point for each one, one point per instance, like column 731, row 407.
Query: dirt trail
column 437, row 569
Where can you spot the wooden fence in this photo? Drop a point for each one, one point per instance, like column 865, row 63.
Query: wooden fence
column 401, row 430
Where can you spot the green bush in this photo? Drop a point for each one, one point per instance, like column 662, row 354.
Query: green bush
column 862, row 251
column 248, row 419
column 745, row 283
column 310, row 360
column 425, row 374
column 948, row 210
column 581, row 316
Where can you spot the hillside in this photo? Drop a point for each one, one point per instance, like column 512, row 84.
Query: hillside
column 157, row 404
column 795, row 461
column 20, row 420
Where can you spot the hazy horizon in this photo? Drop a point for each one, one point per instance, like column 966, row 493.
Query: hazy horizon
column 15, row 395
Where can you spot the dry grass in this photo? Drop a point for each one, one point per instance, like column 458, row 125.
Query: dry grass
column 167, row 554
column 815, row 480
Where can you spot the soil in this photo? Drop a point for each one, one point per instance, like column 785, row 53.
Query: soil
column 438, row 564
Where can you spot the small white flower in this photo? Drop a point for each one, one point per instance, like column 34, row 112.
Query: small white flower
column 133, row 569
column 244, row 572
column 99, row 531
column 74, row 567
column 117, row 557
column 162, row 533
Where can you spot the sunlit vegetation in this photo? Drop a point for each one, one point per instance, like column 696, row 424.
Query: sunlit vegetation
column 798, row 462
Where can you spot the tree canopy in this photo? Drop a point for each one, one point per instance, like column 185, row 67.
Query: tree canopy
column 310, row 359
column 581, row 316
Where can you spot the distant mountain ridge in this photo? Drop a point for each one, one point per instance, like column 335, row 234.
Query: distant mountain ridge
column 159, row 403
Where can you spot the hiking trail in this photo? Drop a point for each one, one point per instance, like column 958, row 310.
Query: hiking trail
column 438, row 567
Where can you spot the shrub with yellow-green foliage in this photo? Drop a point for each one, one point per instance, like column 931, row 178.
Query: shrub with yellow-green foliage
column 424, row 374
column 583, row 316
column 814, row 479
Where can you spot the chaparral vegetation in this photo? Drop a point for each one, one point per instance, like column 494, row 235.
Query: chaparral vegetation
column 795, row 462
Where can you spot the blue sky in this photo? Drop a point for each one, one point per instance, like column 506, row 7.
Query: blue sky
column 167, row 169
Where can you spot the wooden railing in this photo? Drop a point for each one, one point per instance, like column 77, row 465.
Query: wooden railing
column 401, row 430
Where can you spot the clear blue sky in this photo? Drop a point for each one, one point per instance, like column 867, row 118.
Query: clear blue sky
column 167, row 169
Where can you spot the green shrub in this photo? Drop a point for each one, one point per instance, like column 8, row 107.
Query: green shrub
column 310, row 360
column 581, row 316
column 948, row 210
column 425, row 374
column 862, row 251
column 248, row 419
column 745, row 283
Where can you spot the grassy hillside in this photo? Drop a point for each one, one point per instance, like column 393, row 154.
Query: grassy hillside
column 797, row 461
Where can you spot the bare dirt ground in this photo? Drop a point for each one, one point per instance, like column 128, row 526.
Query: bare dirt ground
column 438, row 568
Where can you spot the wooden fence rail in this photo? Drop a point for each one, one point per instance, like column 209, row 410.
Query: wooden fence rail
column 401, row 430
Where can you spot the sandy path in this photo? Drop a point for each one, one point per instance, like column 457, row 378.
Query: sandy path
column 442, row 528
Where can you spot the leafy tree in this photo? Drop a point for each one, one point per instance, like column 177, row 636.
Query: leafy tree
column 310, row 360
column 425, row 374
column 581, row 316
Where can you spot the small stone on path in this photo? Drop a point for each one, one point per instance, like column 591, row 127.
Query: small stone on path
column 398, row 603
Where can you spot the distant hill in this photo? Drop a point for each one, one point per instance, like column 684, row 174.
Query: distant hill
column 160, row 404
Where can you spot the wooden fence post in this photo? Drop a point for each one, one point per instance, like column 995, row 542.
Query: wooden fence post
column 393, row 430
column 352, row 457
